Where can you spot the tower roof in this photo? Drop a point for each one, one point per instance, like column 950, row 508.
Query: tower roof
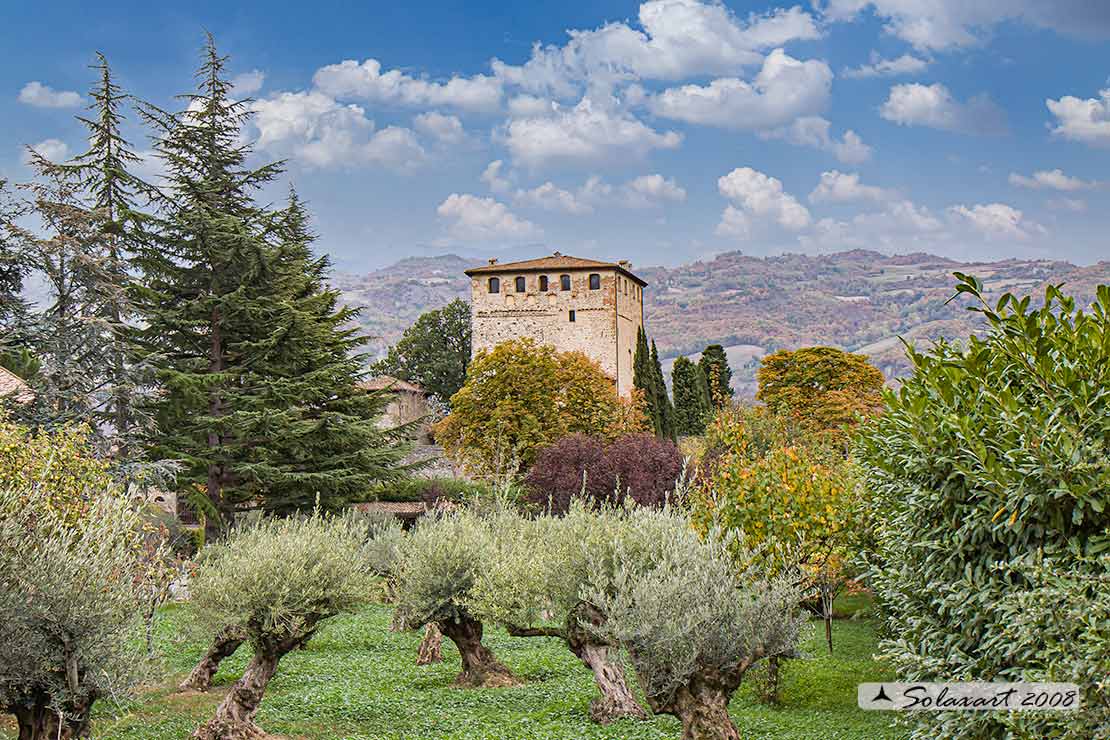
column 554, row 263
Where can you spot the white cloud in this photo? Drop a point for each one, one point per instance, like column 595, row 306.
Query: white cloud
column 945, row 24
column 42, row 96
column 442, row 128
column 586, row 133
column 1051, row 179
column 878, row 67
column 1075, row 205
column 813, row 131
column 527, row 106
column 1083, row 120
column 933, row 106
column 471, row 218
column 317, row 131
column 679, row 39
column 53, row 150
column 844, row 187
column 758, row 195
column 997, row 220
column 784, row 89
column 492, row 177
column 247, row 84
column 650, row 190
column 549, row 197
column 901, row 226
column 367, row 81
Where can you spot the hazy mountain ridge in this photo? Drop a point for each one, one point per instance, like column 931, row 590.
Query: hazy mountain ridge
column 858, row 300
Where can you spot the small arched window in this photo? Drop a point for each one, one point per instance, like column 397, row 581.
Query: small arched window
column 564, row 282
column 595, row 281
column 543, row 283
column 521, row 285
column 495, row 285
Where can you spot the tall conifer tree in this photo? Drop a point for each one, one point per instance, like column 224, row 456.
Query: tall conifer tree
column 643, row 377
column 691, row 397
column 662, row 400
column 260, row 402
column 718, row 375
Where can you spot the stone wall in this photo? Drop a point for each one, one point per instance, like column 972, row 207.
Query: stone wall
column 605, row 320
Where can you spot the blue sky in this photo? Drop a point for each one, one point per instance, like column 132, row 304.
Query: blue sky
column 662, row 132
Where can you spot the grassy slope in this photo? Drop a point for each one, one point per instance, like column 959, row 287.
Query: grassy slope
column 357, row 681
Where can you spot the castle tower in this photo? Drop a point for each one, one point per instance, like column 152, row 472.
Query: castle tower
column 573, row 304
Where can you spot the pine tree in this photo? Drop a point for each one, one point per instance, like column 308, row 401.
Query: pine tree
column 14, row 310
column 663, row 401
column 260, row 403
column 718, row 375
column 691, row 397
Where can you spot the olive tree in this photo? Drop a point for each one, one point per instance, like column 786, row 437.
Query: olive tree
column 533, row 578
column 71, row 600
column 437, row 566
column 693, row 626
column 277, row 580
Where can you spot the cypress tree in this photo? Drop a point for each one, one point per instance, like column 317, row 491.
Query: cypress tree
column 718, row 375
column 259, row 402
column 691, row 397
column 663, row 401
column 643, row 377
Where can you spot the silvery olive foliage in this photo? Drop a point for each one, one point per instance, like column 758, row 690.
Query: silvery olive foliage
column 384, row 536
column 275, row 575
column 70, row 601
column 691, row 611
column 989, row 471
column 437, row 565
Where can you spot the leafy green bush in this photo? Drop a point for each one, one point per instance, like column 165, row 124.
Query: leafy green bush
column 991, row 465
column 276, row 581
column 71, row 596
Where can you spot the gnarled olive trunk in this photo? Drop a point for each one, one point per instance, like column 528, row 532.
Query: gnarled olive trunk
column 37, row 720
column 480, row 667
column 702, row 705
column 226, row 642
column 616, row 700
column 234, row 718
column 431, row 647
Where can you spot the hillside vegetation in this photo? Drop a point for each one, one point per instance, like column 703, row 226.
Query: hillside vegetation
column 860, row 301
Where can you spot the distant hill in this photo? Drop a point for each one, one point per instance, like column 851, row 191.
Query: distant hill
column 861, row 301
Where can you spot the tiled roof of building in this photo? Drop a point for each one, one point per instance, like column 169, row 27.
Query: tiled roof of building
column 14, row 386
column 554, row 263
column 396, row 508
column 383, row 382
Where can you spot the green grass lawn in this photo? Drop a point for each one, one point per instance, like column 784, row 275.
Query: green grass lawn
column 358, row 681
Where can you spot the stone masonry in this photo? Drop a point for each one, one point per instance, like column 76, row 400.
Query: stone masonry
column 570, row 303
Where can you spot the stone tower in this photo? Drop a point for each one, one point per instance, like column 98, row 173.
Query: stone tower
column 573, row 304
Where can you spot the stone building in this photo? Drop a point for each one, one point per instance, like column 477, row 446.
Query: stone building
column 573, row 304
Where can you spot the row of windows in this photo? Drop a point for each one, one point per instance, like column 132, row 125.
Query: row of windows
column 521, row 284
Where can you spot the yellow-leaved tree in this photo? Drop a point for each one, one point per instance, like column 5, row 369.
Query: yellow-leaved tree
column 522, row 396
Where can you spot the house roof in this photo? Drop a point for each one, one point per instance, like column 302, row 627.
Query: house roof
column 396, row 508
column 554, row 263
column 388, row 382
column 14, row 386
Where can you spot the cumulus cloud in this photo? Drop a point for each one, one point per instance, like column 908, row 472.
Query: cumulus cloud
column 367, row 81
column 1084, row 120
column 756, row 195
column 36, row 94
column 997, row 220
column 1052, row 180
column 471, row 218
column 650, row 190
column 845, row 187
column 933, row 106
column 676, row 39
column 878, row 67
column 550, row 197
column 784, row 89
column 1074, row 205
column 317, row 131
column 947, row 24
column 248, row 83
column 54, row 150
column 813, row 131
column 493, row 178
column 585, row 133
column 444, row 129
